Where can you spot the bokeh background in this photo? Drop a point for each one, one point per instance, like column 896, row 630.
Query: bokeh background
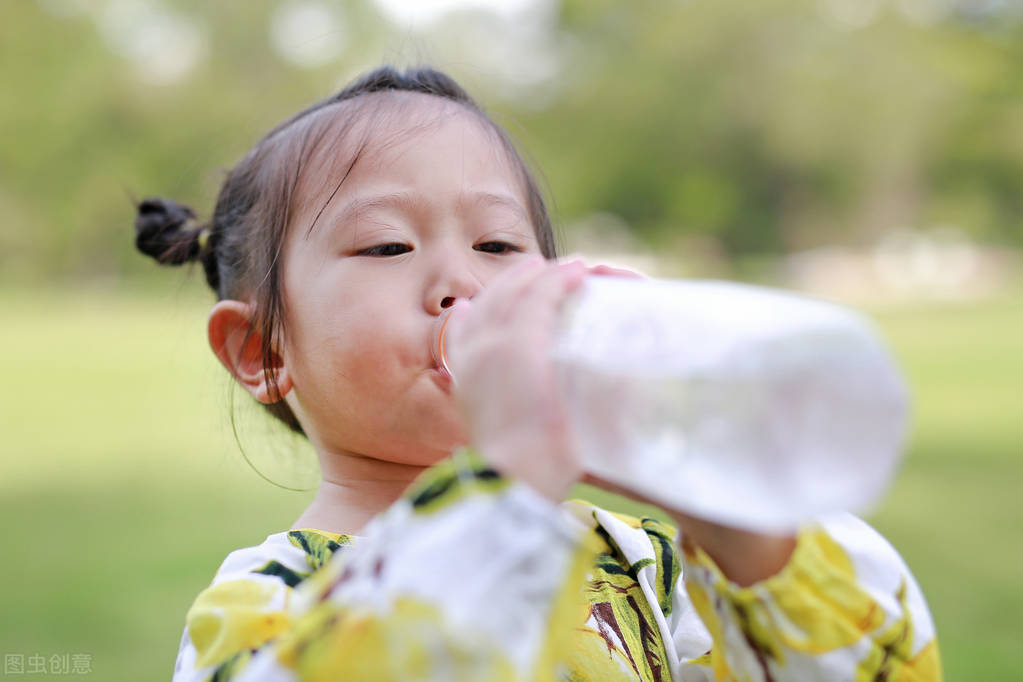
column 866, row 151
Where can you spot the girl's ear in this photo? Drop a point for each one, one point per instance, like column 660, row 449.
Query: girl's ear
column 238, row 345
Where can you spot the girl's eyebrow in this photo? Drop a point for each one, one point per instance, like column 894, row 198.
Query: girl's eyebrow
column 359, row 204
column 487, row 199
column 411, row 202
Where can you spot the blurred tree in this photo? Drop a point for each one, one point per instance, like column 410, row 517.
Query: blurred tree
column 779, row 125
column 758, row 127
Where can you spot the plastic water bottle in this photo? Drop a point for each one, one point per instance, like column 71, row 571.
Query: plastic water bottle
column 743, row 405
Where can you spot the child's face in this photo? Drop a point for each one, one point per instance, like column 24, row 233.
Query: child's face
column 431, row 215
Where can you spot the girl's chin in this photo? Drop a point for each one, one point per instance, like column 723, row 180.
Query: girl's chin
column 423, row 458
column 434, row 447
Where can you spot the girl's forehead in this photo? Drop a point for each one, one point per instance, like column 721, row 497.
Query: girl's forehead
column 405, row 137
column 387, row 124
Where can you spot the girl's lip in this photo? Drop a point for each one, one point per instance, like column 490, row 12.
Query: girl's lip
column 441, row 376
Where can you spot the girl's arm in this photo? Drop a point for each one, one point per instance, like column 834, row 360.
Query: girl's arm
column 844, row 606
column 742, row 556
column 833, row 602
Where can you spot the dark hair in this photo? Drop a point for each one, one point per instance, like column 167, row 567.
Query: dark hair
column 240, row 246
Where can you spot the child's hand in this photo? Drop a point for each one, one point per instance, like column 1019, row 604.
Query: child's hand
column 506, row 385
column 612, row 271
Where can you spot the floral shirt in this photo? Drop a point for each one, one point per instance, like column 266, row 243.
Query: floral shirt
column 471, row 576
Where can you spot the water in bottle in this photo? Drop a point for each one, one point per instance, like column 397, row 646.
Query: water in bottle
column 744, row 405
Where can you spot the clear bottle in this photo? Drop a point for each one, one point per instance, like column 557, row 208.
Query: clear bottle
column 743, row 405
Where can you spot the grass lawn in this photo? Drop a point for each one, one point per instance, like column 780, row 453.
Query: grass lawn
column 123, row 489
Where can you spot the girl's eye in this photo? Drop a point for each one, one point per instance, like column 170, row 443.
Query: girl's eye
column 497, row 247
column 391, row 249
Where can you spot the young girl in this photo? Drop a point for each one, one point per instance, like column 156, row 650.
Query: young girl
column 335, row 244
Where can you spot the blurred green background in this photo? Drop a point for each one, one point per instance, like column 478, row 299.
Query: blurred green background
column 868, row 151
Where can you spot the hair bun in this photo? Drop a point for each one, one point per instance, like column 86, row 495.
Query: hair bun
column 167, row 231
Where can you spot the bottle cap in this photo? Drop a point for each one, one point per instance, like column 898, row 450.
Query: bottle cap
column 440, row 347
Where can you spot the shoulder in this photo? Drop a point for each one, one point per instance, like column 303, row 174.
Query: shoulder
column 867, row 550
column 846, row 545
column 878, row 568
column 290, row 556
column 247, row 603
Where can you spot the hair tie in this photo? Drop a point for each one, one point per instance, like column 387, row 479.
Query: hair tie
column 203, row 239
column 168, row 231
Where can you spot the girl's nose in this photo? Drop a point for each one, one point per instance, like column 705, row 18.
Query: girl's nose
column 451, row 284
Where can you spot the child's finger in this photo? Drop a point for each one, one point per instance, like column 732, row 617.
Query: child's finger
column 542, row 298
column 605, row 270
column 611, row 271
column 502, row 297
